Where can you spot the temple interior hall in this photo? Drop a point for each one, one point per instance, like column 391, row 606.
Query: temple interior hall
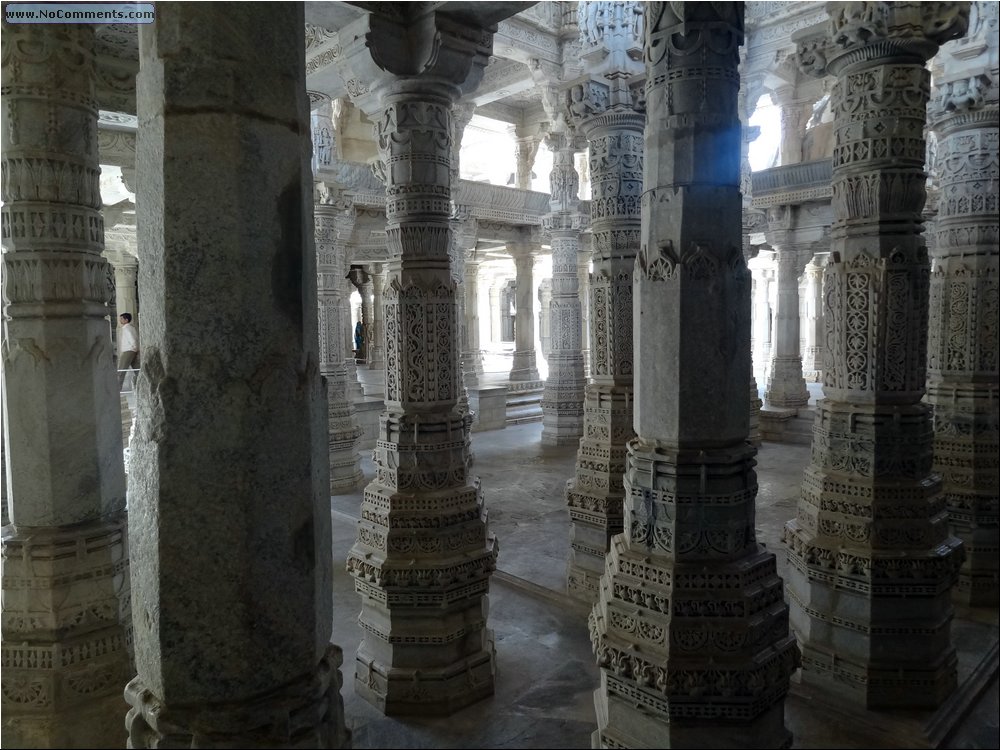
column 500, row 375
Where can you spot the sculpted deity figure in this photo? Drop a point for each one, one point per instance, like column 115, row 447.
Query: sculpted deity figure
column 581, row 104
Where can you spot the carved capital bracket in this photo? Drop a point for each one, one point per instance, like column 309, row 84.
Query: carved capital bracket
column 860, row 32
column 591, row 103
column 433, row 47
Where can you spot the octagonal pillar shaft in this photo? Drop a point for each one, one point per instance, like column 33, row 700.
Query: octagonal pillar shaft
column 690, row 630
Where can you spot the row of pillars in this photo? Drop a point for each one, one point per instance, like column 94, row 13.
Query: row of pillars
column 229, row 541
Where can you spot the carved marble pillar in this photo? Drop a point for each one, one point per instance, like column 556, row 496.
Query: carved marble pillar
column 4, row 499
column 494, row 292
column 423, row 556
column 812, row 351
column 607, row 115
column 871, row 559
column 545, row 319
column 562, row 400
column 464, row 233
column 376, row 346
column 763, row 278
column 524, row 368
column 691, row 631
column 457, row 264
column 472, row 365
column 752, row 389
column 463, row 238
column 322, row 131
column 345, row 221
column 753, row 220
column 525, row 151
column 786, row 388
column 361, row 280
column 367, row 290
column 794, row 116
column 962, row 383
column 229, row 512
column 583, row 279
column 126, row 273
column 65, row 616
column 343, row 429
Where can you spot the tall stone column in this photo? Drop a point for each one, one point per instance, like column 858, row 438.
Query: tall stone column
column 786, row 388
column 583, row 279
column 465, row 238
column 524, row 368
column 962, row 382
column 361, row 280
column 229, row 505
column 344, row 223
column 322, row 131
column 343, row 429
column 423, row 556
column 762, row 323
column 544, row 315
column 525, row 151
column 562, row 400
column 753, row 219
column 794, row 116
column 812, row 352
column 126, row 272
column 65, row 617
column 472, row 365
column 607, row 113
column 691, row 631
column 367, row 290
column 457, row 264
column 494, row 293
column 871, row 559
column 376, row 347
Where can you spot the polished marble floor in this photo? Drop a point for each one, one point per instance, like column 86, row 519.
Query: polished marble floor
column 545, row 668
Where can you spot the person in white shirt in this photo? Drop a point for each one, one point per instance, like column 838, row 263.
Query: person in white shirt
column 128, row 348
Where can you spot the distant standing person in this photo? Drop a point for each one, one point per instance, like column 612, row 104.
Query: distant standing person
column 128, row 347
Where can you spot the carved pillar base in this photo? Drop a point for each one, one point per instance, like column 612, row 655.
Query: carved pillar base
column 966, row 447
column 594, row 495
column 472, row 368
column 345, row 467
column 65, row 648
column 419, row 691
column 422, row 564
column 786, row 388
column 355, row 392
column 562, row 401
column 308, row 713
column 812, row 364
column 691, row 629
column 524, row 367
column 871, row 561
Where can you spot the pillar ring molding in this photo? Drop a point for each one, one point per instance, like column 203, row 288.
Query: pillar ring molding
column 946, row 123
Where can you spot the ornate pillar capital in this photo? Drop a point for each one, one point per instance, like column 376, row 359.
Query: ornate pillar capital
column 440, row 52
column 593, row 104
column 861, row 33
